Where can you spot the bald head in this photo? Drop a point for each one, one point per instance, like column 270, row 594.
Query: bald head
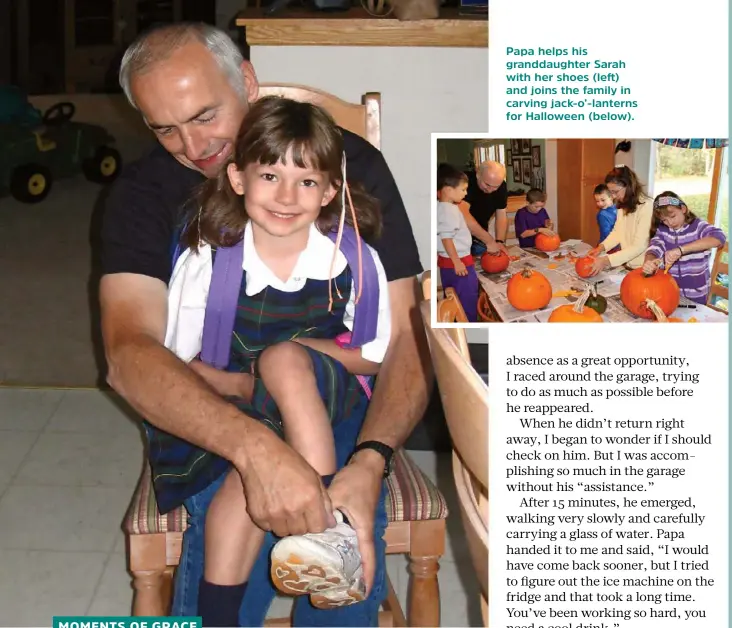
column 159, row 45
column 490, row 176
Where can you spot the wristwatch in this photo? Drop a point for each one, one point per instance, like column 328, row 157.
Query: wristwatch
column 501, row 241
column 383, row 449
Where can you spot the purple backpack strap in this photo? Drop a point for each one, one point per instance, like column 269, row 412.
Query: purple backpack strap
column 223, row 299
column 367, row 308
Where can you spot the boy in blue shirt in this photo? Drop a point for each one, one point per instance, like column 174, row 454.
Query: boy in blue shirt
column 607, row 211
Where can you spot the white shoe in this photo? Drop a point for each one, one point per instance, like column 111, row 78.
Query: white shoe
column 326, row 566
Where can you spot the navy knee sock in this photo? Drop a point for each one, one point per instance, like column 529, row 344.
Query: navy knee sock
column 218, row 604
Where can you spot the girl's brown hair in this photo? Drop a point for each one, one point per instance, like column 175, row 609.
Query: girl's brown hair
column 634, row 194
column 661, row 211
column 272, row 127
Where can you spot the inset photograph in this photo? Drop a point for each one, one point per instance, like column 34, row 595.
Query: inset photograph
column 580, row 230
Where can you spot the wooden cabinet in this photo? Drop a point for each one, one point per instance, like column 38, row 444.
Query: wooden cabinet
column 514, row 204
column 581, row 165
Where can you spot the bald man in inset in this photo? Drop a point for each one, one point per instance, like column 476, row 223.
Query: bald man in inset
column 488, row 195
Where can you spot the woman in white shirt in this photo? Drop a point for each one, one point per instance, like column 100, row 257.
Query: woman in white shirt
column 632, row 231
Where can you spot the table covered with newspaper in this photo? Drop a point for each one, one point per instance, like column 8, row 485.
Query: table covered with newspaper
column 567, row 287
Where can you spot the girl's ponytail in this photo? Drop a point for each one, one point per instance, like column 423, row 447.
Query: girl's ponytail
column 220, row 218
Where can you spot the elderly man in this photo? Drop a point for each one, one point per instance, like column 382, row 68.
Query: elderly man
column 193, row 88
column 488, row 196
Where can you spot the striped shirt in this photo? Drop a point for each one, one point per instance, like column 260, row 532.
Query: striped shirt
column 692, row 271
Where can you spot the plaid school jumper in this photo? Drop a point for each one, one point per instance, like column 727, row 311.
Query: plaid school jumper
column 181, row 470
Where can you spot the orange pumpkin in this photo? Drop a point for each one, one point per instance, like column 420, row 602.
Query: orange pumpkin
column 547, row 243
column 583, row 266
column 528, row 290
column 494, row 263
column 568, row 314
column 661, row 288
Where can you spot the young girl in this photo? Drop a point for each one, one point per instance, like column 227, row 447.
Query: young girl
column 532, row 219
column 283, row 192
column 682, row 244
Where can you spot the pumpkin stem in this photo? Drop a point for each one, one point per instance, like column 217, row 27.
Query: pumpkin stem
column 579, row 305
column 526, row 273
column 657, row 311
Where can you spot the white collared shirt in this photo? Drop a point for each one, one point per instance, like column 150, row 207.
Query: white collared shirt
column 189, row 284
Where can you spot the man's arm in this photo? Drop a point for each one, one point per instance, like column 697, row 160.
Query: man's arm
column 400, row 398
column 285, row 496
column 477, row 231
column 501, row 224
column 473, row 226
column 405, row 379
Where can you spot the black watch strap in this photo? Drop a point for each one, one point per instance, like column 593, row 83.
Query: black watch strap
column 501, row 241
column 381, row 448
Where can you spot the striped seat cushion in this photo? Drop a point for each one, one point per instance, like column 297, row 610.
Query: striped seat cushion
column 412, row 497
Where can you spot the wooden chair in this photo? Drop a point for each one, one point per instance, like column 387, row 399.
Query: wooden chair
column 718, row 290
column 363, row 119
column 465, row 401
column 427, row 285
column 415, row 508
column 449, row 309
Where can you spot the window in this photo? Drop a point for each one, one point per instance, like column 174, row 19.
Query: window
column 691, row 174
column 490, row 152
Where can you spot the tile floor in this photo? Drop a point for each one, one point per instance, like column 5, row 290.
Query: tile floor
column 69, row 462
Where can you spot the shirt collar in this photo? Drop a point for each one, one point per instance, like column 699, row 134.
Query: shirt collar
column 313, row 263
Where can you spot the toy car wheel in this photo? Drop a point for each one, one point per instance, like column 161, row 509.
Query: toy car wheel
column 30, row 183
column 104, row 166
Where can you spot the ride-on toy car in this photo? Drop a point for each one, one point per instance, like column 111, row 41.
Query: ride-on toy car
column 36, row 149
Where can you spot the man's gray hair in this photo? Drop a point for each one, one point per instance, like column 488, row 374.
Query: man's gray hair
column 158, row 44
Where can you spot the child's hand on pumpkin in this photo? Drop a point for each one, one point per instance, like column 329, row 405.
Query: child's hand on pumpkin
column 650, row 266
column 594, row 252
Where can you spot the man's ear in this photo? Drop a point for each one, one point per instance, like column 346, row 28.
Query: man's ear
column 236, row 178
column 250, row 81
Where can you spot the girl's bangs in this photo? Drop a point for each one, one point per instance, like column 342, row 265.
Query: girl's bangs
column 305, row 152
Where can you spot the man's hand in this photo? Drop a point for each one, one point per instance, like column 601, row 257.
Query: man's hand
column 355, row 491
column 284, row 494
column 225, row 383
column 495, row 248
